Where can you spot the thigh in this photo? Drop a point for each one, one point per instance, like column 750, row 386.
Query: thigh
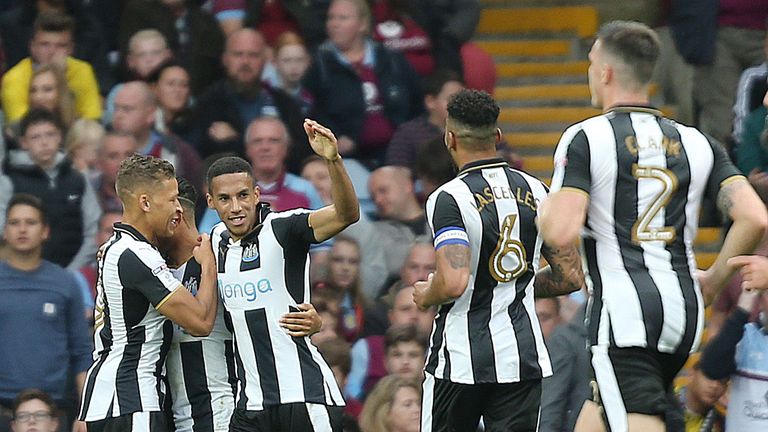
column 513, row 407
column 448, row 406
column 628, row 380
column 250, row 421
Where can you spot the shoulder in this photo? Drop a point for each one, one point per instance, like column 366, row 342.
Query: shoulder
column 294, row 213
column 75, row 66
column 61, row 279
column 21, row 70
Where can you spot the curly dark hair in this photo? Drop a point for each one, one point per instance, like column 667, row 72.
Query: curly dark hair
column 473, row 108
column 140, row 170
column 187, row 194
column 36, row 116
column 228, row 165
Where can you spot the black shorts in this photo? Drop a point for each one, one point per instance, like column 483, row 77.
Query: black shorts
column 137, row 422
column 288, row 417
column 633, row 380
column 511, row 407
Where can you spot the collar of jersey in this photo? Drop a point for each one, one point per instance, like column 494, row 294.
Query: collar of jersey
column 133, row 232
column 483, row 163
column 635, row 108
column 263, row 209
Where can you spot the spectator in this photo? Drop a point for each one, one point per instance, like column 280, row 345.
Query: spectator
column 433, row 166
column 192, row 34
column 548, row 312
column 89, row 36
column 344, row 278
column 34, row 411
column 115, row 147
column 48, row 90
column 698, row 399
column 329, row 314
column 739, row 352
column 42, row 170
column 86, row 275
column 564, row 393
column 336, row 352
column 420, row 261
column 368, row 354
column 291, row 62
column 362, row 90
column 305, row 17
column 741, row 26
column 45, row 338
column 393, row 406
column 135, row 110
column 386, row 242
column 752, row 152
column 397, row 31
column 170, row 82
column 749, row 93
column 315, row 171
column 51, row 43
column 413, row 135
column 450, row 24
column 228, row 107
column 406, row 350
column 267, row 145
column 82, row 145
column 147, row 50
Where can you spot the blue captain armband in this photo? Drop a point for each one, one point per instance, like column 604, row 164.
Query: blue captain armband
column 451, row 235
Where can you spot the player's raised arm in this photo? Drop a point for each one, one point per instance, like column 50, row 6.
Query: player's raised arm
column 345, row 210
column 740, row 202
column 196, row 314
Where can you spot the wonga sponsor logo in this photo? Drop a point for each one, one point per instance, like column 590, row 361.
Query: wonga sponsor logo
column 248, row 291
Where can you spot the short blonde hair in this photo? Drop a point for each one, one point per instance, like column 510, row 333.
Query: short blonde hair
column 375, row 412
column 363, row 11
column 82, row 132
column 145, row 35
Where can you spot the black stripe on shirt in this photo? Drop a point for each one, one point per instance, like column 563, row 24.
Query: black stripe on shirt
column 196, row 385
column 437, row 339
column 592, row 317
column 311, row 375
column 223, row 247
column 127, row 379
column 258, row 329
column 229, row 356
column 625, row 214
column 479, row 314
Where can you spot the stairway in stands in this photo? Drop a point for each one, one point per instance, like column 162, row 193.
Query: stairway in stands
column 541, row 64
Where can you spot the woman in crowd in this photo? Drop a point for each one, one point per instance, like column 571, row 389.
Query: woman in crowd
column 362, row 90
column 170, row 83
column 291, row 61
column 394, row 405
column 344, row 279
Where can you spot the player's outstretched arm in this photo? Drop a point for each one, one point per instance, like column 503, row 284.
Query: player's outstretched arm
column 449, row 280
column 740, row 202
column 561, row 217
column 345, row 210
column 564, row 273
column 196, row 314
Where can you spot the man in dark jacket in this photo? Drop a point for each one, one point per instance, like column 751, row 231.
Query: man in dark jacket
column 227, row 107
column 41, row 170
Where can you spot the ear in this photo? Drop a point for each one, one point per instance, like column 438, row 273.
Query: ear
column 429, row 102
column 144, row 202
column 23, row 143
column 209, row 200
column 257, row 192
column 499, row 136
column 450, row 140
column 606, row 74
column 46, row 232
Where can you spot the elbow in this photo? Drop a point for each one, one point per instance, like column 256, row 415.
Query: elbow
column 353, row 216
column 201, row 329
column 455, row 287
column 559, row 238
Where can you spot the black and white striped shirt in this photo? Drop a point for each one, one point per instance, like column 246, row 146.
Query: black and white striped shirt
column 645, row 176
column 131, row 337
column 201, row 370
column 491, row 333
column 261, row 277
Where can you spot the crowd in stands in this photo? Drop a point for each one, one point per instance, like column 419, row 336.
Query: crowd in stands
column 87, row 83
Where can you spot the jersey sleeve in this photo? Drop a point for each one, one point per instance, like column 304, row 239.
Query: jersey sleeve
column 444, row 217
column 723, row 169
column 293, row 226
column 572, row 162
column 145, row 271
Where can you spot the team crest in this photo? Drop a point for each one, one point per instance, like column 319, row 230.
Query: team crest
column 251, row 258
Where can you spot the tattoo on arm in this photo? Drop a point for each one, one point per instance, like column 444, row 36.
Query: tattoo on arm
column 458, row 256
column 563, row 275
column 724, row 200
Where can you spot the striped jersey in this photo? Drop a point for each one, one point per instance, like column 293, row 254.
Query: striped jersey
column 645, row 176
column 261, row 277
column 200, row 369
column 131, row 337
column 491, row 333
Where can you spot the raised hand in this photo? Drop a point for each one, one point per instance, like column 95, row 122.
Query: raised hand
column 322, row 140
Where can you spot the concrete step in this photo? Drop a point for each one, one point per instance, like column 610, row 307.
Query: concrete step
column 529, row 48
column 559, row 114
column 538, row 163
column 537, row 69
column 543, row 91
column 582, row 20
